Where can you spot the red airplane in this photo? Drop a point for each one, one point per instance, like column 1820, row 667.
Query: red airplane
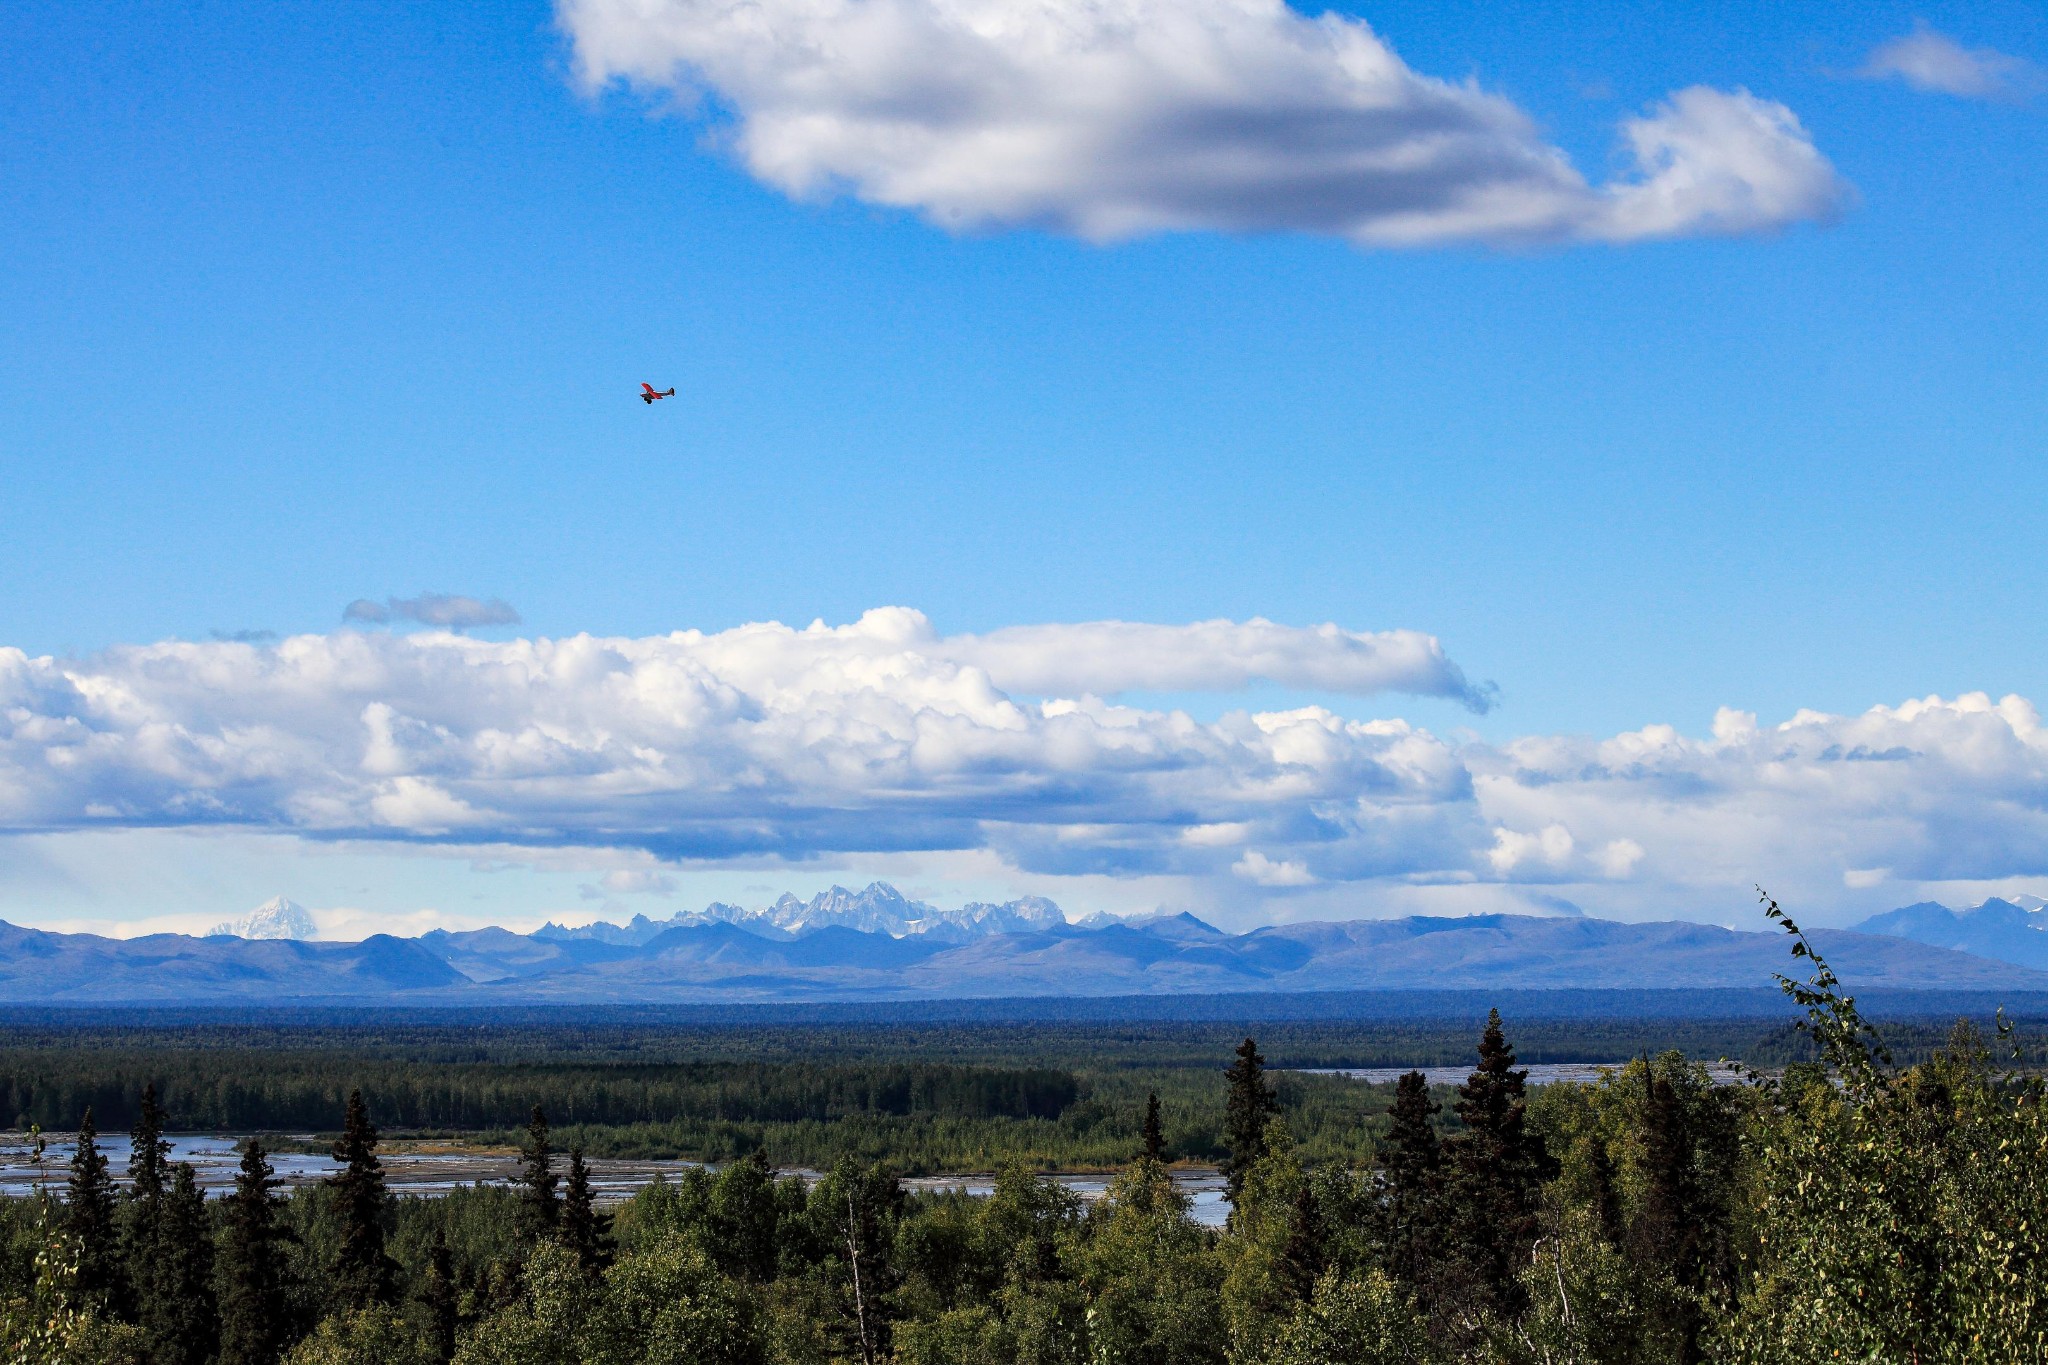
column 648, row 393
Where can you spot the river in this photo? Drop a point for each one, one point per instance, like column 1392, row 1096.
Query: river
column 436, row 1168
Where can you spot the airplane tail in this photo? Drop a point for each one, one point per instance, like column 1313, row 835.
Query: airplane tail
column 670, row 394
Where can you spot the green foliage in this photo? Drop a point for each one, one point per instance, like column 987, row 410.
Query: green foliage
column 44, row 1324
column 1151, row 1275
column 376, row 1335
column 1906, row 1218
column 667, row 1305
column 1362, row 1321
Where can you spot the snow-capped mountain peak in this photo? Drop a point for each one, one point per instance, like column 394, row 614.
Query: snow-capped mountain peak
column 877, row 908
column 275, row 918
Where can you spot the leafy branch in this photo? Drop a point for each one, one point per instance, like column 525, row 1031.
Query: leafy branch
column 1848, row 1042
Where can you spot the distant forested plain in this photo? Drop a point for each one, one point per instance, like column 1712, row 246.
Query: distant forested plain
column 808, row 1086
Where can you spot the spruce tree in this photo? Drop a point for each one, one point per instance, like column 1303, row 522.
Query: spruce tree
column 1155, row 1134
column 1606, row 1199
column 439, row 1300
column 1661, row 1234
column 1497, row 1166
column 540, row 1208
column 149, row 1152
column 255, row 1309
column 1248, row 1106
column 89, row 1216
column 143, row 1212
column 363, row 1274
column 178, row 1318
column 584, row 1230
column 1412, row 1164
column 1687, row 1145
column 1304, row 1257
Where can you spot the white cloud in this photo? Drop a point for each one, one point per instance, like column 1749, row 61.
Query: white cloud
column 1115, row 118
column 1938, row 64
column 1255, row 866
column 1210, row 656
column 760, row 740
column 766, row 746
column 1550, row 847
column 1617, row 858
column 1716, row 162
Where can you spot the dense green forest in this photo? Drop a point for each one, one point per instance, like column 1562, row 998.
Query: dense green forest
column 1865, row 1203
column 926, row 1097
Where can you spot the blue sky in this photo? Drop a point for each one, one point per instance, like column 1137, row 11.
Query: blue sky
column 306, row 304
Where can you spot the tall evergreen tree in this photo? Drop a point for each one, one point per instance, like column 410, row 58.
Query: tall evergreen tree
column 1305, row 1255
column 540, row 1207
column 255, row 1309
column 143, row 1213
column 1661, row 1233
column 1412, row 1163
column 1155, row 1133
column 1681, row 1225
column 89, row 1216
column 363, row 1273
column 439, row 1299
column 1248, row 1105
column 178, row 1318
column 584, row 1230
column 149, row 1155
column 1606, row 1199
column 1497, row 1166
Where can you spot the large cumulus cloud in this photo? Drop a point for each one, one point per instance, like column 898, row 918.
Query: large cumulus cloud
column 880, row 735
column 1111, row 118
column 885, row 737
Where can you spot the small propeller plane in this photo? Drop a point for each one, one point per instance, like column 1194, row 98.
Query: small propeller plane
column 648, row 393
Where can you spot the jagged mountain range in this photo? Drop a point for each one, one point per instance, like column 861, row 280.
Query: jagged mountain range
column 879, row 908
column 876, row 945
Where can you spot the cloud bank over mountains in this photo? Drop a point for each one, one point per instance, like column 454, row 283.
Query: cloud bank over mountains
column 1109, row 119
column 766, row 744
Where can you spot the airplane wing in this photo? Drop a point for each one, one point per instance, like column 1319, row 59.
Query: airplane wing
column 647, row 388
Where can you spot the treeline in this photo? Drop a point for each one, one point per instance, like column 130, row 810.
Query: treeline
column 560, row 1038
column 1852, row 1210
column 652, row 1037
column 921, row 1118
column 223, row 1090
